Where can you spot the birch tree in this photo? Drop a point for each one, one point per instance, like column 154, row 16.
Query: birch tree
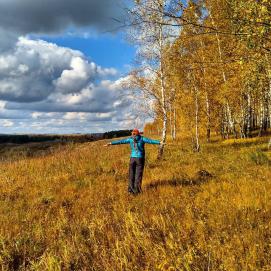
column 151, row 33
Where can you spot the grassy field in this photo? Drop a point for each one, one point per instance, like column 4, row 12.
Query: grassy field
column 68, row 209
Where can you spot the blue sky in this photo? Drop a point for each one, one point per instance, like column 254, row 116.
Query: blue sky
column 107, row 50
column 60, row 72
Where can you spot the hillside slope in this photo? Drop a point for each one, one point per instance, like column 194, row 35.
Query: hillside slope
column 70, row 210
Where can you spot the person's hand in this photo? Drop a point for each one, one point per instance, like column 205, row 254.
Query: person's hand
column 108, row 144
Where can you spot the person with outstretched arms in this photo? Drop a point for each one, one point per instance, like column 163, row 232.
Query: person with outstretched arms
column 137, row 158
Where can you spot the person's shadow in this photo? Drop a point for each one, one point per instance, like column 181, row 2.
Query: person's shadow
column 201, row 177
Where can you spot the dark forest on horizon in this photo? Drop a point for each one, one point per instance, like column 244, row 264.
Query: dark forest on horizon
column 77, row 138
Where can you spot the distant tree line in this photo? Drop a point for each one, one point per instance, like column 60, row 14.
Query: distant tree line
column 77, row 138
column 120, row 133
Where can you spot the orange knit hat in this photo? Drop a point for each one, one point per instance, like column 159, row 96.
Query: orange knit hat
column 135, row 132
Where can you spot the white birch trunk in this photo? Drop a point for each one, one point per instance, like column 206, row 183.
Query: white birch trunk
column 248, row 115
column 261, row 117
column 197, row 144
column 174, row 123
column 163, row 95
column 269, row 89
column 170, row 121
column 208, row 113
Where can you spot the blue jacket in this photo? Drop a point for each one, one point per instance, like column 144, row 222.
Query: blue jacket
column 137, row 145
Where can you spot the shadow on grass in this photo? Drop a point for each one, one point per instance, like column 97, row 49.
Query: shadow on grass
column 201, row 177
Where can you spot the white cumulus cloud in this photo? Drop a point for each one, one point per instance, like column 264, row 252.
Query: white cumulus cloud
column 7, row 123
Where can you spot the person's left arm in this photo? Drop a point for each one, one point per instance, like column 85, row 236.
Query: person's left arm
column 151, row 141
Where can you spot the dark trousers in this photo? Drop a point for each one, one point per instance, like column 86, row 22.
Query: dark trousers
column 136, row 169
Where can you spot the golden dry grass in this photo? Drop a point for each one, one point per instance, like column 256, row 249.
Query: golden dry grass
column 70, row 210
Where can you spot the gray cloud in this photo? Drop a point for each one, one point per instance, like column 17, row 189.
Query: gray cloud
column 14, row 115
column 46, row 17
column 50, row 16
column 7, row 40
column 101, row 98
